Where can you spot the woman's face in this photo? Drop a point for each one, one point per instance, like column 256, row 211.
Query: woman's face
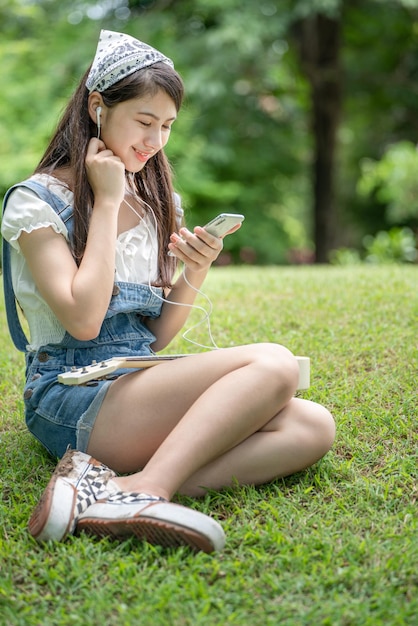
column 135, row 130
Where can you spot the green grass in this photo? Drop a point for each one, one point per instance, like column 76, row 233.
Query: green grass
column 334, row 545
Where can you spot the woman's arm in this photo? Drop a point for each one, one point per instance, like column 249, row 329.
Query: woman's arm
column 80, row 296
column 197, row 250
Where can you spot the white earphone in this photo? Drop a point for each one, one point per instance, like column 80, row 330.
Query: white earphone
column 98, row 114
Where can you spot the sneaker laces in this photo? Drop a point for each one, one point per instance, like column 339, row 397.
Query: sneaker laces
column 93, row 486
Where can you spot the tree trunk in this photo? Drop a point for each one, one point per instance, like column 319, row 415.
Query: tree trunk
column 319, row 41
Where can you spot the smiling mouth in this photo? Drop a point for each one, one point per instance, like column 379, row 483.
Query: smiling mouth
column 142, row 156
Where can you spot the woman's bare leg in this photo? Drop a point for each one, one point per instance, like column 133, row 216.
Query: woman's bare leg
column 301, row 434
column 184, row 422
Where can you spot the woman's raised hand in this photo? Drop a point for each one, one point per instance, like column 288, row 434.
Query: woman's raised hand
column 105, row 172
column 197, row 249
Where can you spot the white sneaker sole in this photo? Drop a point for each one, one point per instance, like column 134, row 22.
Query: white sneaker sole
column 162, row 523
column 53, row 516
column 66, row 494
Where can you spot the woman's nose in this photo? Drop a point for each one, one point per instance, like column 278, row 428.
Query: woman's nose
column 154, row 140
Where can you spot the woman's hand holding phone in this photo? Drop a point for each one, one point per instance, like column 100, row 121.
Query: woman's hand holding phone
column 222, row 225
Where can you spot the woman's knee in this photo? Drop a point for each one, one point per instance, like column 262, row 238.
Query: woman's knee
column 320, row 426
column 281, row 368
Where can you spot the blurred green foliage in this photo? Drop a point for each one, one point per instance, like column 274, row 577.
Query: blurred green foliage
column 397, row 245
column 393, row 181
column 394, row 246
column 243, row 141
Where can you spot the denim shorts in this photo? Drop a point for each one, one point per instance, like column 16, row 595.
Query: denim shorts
column 61, row 415
column 58, row 415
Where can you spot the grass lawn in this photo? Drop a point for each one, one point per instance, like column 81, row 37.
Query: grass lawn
column 334, row 545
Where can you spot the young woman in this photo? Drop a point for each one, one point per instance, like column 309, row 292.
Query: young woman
column 87, row 258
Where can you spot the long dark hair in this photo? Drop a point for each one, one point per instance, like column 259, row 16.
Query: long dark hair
column 68, row 148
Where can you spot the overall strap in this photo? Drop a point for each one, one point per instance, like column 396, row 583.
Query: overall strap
column 65, row 212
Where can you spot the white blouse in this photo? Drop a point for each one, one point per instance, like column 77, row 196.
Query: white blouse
column 136, row 254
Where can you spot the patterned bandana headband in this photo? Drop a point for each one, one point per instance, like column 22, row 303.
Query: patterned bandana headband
column 119, row 55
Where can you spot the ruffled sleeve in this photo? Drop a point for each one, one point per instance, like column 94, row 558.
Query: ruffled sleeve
column 26, row 212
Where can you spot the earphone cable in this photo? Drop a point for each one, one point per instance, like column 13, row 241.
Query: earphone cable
column 207, row 312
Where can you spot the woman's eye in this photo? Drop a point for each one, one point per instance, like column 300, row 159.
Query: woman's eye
column 165, row 127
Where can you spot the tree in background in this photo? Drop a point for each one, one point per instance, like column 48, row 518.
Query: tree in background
column 318, row 38
column 285, row 100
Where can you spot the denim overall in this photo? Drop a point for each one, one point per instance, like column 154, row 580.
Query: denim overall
column 60, row 415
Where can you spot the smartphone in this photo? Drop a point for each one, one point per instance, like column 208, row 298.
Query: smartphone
column 220, row 225
column 223, row 223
